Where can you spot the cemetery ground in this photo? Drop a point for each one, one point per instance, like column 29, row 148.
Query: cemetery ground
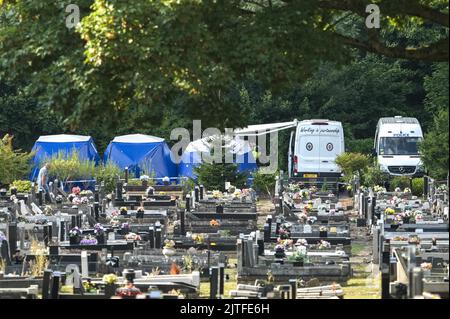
column 365, row 281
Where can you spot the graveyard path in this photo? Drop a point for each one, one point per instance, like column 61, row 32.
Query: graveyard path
column 264, row 207
column 366, row 280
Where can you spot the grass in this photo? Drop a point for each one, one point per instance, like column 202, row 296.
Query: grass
column 357, row 248
column 229, row 285
column 362, row 288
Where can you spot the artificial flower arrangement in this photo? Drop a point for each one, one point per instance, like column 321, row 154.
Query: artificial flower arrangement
column 349, row 188
column 279, row 251
column 86, row 193
column 400, row 238
column 214, row 223
column 407, row 190
column 237, row 193
column 145, row 178
column 426, row 266
column 323, row 228
column 313, row 189
column 303, row 217
column 99, row 230
column 125, row 228
column 133, row 236
column 76, row 190
column 246, row 192
column 398, row 218
column 298, row 257
column 284, row 233
column 286, row 243
column 414, row 240
column 169, row 243
column 84, row 200
column 442, row 188
column 293, row 187
column 48, row 210
column 59, row 199
column 89, row 241
column 123, row 210
column 397, row 190
column 198, row 238
column 301, row 242
column 75, row 232
column 110, row 279
column 76, row 200
column 379, row 189
column 89, row 286
column 217, row 194
column 323, row 244
column 389, row 211
column 419, row 217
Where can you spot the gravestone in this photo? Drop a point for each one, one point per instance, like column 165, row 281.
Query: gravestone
column 84, row 264
column 12, row 238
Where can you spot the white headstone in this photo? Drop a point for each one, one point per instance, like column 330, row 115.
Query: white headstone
column 307, row 229
column 84, row 264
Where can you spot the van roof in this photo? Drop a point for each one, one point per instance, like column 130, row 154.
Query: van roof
column 320, row 121
column 398, row 119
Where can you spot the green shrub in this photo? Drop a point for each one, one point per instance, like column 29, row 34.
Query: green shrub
column 213, row 176
column 417, row 186
column 14, row 164
column 401, row 182
column 108, row 174
column 22, row 186
column 374, row 176
column 264, row 183
column 352, row 163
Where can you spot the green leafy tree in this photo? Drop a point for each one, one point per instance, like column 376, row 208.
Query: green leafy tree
column 14, row 164
column 352, row 163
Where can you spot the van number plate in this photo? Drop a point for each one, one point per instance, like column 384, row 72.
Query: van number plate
column 310, row 175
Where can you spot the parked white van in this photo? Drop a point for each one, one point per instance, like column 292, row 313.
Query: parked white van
column 317, row 144
column 313, row 146
column 396, row 146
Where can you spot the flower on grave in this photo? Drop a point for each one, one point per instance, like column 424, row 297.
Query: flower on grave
column 349, row 187
column 84, row 200
column 279, row 247
column 140, row 209
column 2, row 237
column 301, row 242
column 389, row 211
column 400, row 238
column 323, row 228
column 246, row 192
column 133, row 236
column 76, row 200
column 426, row 266
column 414, row 239
column 407, row 190
column 76, row 190
column 114, row 221
column 419, row 217
column 89, row 286
column 75, row 232
column 217, row 194
column 313, row 189
column 86, row 193
column 379, row 189
column 99, row 229
column 303, row 217
column 115, row 213
column 88, row 241
column 48, row 210
column 398, row 190
column 297, row 196
column 323, row 244
column 123, row 210
column 198, row 238
column 442, row 188
column 59, row 199
column 398, row 218
column 110, row 279
column 125, row 226
column 145, row 178
column 169, row 244
column 109, row 197
column 214, row 223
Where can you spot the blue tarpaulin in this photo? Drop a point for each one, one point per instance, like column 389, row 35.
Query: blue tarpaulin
column 142, row 154
column 192, row 156
column 50, row 145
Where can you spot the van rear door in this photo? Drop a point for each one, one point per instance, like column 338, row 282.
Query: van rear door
column 329, row 149
column 307, row 152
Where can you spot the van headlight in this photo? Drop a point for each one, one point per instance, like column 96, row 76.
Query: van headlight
column 421, row 168
column 384, row 168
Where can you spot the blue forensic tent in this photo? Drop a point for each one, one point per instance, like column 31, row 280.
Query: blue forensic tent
column 142, row 154
column 51, row 145
column 192, row 156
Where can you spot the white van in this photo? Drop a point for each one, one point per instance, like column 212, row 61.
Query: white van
column 396, row 146
column 317, row 144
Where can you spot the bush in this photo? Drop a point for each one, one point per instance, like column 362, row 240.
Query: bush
column 352, row 163
column 14, row 164
column 214, row 176
column 417, row 186
column 21, row 186
column 401, row 182
column 374, row 176
column 108, row 174
column 264, row 183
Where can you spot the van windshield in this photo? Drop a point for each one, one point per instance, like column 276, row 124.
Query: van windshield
column 399, row 145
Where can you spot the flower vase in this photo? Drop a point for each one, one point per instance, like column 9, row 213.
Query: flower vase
column 139, row 214
column 75, row 240
column 279, row 253
column 110, row 290
column 168, row 252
